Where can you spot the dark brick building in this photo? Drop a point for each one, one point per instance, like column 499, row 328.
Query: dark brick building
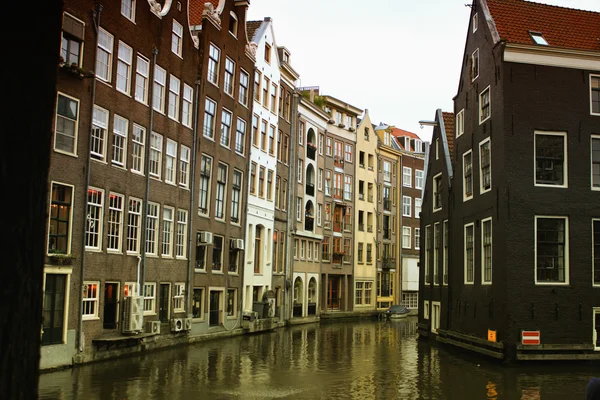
column 523, row 203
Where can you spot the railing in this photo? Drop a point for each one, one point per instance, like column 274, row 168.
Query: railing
column 361, row 196
column 327, row 224
column 369, row 228
column 388, row 262
column 348, row 227
column 200, row 264
column 337, row 258
column 361, row 227
column 310, row 189
column 387, row 204
column 347, row 195
column 387, row 233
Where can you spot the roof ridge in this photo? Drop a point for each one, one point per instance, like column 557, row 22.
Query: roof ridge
column 561, row 7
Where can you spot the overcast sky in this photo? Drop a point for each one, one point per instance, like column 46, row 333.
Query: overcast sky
column 398, row 58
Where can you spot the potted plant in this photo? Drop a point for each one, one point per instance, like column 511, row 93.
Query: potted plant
column 61, row 259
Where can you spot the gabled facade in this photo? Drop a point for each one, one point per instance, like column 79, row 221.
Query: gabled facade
column 258, row 271
column 528, row 91
column 365, row 209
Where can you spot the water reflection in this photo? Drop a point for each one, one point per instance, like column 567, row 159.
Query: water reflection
column 350, row 360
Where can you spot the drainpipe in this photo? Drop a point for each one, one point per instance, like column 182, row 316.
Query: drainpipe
column 147, row 173
column 290, row 202
column 191, row 238
column 96, row 17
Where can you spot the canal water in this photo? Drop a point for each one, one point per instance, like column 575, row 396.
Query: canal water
column 342, row 360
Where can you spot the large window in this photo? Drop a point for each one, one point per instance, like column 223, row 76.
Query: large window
column 142, row 67
column 149, row 298
column 137, row 149
column 119, row 144
column 225, row 128
column 178, row 297
column 486, row 250
column 59, row 226
column 128, row 9
column 485, row 166
column 468, row 175
column 214, row 55
column 229, row 74
column 174, row 90
column 104, row 55
column 595, row 161
column 177, row 38
column 156, row 146
column 469, row 253
column 236, row 190
column 134, row 220
column 596, row 251
column 551, row 159
column 363, row 291
column 95, row 220
column 186, row 109
column 152, row 228
column 437, row 192
column 220, row 195
column 204, row 191
column 124, row 61
column 428, row 249
column 485, row 105
column 209, row 118
column 53, row 317
column 115, row 221
column 167, row 231
column 551, row 250
column 240, row 136
column 99, row 134
column 217, row 255
column 406, row 206
column 419, row 179
column 90, row 300
column 418, row 203
column 198, row 303
column 407, row 176
column 406, row 237
column 181, row 243
column 158, row 91
column 595, row 94
column 460, row 122
column 184, row 166
column 72, row 39
column 67, row 121
column 243, row 93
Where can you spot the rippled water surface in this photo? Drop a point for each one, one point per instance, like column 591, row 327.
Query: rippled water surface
column 348, row 360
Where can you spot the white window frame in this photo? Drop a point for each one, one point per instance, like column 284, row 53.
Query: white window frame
column 593, row 76
column 460, row 122
column 166, row 248
column 418, row 242
column 483, row 280
column 475, row 22
column 225, row 135
column 141, row 79
column 179, row 297
column 159, row 89
column 406, row 175
column 435, row 318
column 171, row 162
column 134, row 231
column 140, row 144
column 425, row 309
column 114, row 236
column 214, row 60
column 418, row 207
column 108, row 49
column 86, row 299
column 299, row 209
column 182, row 228
column 229, row 77
column 566, row 255
column 592, row 139
column 244, row 88
column 124, row 62
column 482, row 189
column 150, row 300
column 565, row 159
column 466, row 226
column 119, row 150
column 75, row 123
column 131, row 7
column 100, row 220
column 184, row 166
column 419, row 181
column 210, row 110
column 466, row 196
column 70, row 234
column 174, row 97
column 319, row 214
column 151, row 241
column 489, row 90
column 177, row 38
column 186, row 106
column 406, row 237
column 406, row 202
column 156, row 148
column 99, row 142
column 474, row 63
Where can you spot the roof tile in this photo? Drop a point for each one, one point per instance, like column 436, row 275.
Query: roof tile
column 251, row 28
column 449, row 128
column 196, row 9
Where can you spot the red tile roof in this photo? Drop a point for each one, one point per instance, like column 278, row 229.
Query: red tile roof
column 251, row 28
column 561, row 27
column 449, row 128
column 196, row 9
column 396, row 132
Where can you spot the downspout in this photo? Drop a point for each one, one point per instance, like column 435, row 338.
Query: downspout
column 96, row 18
column 291, row 195
column 142, row 280
column 188, row 282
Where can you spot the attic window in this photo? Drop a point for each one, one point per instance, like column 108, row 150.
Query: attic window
column 233, row 24
column 538, row 38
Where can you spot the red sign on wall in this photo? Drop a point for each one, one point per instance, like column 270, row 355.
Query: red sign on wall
column 530, row 337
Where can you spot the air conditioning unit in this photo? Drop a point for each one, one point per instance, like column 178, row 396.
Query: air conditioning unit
column 205, row 238
column 176, row 324
column 187, row 324
column 237, row 244
column 153, row 327
column 133, row 309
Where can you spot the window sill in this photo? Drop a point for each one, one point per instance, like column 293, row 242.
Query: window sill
column 123, row 93
column 149, row 313
column 121, row 167
column 74, row 155
column 114, row 252
column 93, row 250
column 90, row 318
column 107, row 83
column 199, row 271
column 99, row 161
column 216, row 272
column 551, row 186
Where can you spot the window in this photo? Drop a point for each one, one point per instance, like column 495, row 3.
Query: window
column 445, row 254
column 468, row 175
column 231, row 302
column 437, row 192
column 328, row 183
column 347, row 187
column 174, row 87
column 406, row 206
column 181, row 243
column 233, row 24
column 95, row 220
column 387, row 171
column 475, row 65
column 538, row 38
column 328, row 147
column 240, row 136
column 369, row 253
column 178, row 297
column 236, row 190
column 152, row 227
column 209, row 118
column 54, row 307
column 72, row 39
column 469, row 253
column 198, row 303
column 406, row 237
column 156, row 146
column 104, row 55
column 595, row 161
column 265, row 92
column 263, row 135
column 270, row 185
column 253, row 167
column 142, row 67
column 201, row 252
column 284, row 195
column 348, row 152
column 299, row 209
column 149, row 298
column 229, row 73
column 90, row 300
column 274, row 98
column 325, row 248
column 213, row 64
column 137, row 149
column 417, row 238
column 436, row 253
column 67, row 116
column 272, row 140
column 595, row 94
column 186, row 109
column 302, row 249
column 221, row 187
column 551, row 250
column 167, row 231
column 158, row 91
column 217, row 255
column 243, row 93
column 300, row 170
column 128, row 9
column 115, row 221
column 418, row 202
column 204, row 191
column 267, row 53
column 319, row 214
column 99, row 134
column 419, row 179
column 225, row 128
column 184, row 165
column 134, row 220
column 119, row 145
column 475, row 22
column 486, row 250
column 59, row 226
column 460, row 122
column 124, row 61
column 428, row 254
column 484, row 105
column 257, row 80
column 551, row 159
column 177, row 38
column 406, row 176
column 596, row 251
column 485, row 166
column 261, row 182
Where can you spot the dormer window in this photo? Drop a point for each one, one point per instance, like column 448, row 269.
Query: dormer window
column 233, row 24
column 538, row 38
column 286, row 57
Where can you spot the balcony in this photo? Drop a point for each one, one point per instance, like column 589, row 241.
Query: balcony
column 310, row 189
column 337, row 258
column 311, row 151
column 387, row 204
column 338, row 162
column 388, row 263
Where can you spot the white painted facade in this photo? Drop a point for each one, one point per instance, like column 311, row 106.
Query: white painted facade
column 258, row 270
